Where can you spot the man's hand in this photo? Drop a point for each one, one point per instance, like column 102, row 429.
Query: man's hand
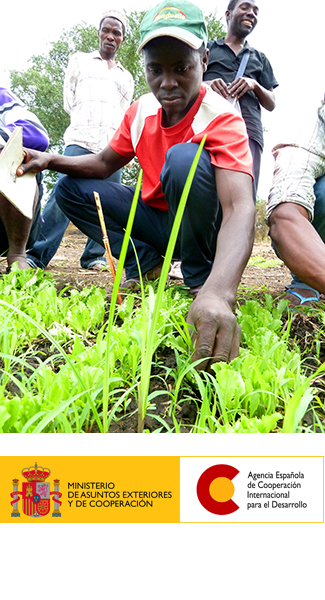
column 237, row 88
column 240, row 86
column 217, row 335
column 219, row 86
column 34, row 162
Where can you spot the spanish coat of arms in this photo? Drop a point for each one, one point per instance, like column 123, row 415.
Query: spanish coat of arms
column 36, row 494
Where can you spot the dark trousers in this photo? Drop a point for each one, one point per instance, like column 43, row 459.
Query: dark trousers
column 196, row 243
column 54, row 225
column 256, row 151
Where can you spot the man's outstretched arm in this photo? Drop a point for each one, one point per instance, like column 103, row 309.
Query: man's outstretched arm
column 94, row 166
column 212, row 312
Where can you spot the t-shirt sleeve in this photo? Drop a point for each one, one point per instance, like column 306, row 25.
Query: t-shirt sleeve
column 267, row 78
column 34, row 135
column 13, row 113
column 227, row 143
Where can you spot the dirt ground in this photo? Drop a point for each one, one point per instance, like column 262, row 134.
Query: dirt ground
column 66, row 269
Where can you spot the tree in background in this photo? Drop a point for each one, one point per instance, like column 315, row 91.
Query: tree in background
column 41, row 85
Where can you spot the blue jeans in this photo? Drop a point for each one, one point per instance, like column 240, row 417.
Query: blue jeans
column 55, row 224
column 196, row 243
column 318, row 223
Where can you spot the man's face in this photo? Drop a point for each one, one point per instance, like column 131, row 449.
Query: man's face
column 110, row 37
column 242, row 19
column 174, row 75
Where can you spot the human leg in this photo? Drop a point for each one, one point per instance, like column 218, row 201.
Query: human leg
column 305, row 293
column 54, row 226
column 196, row 244
column 93, row 252
column 149, row 234
column 299, row 245
column 319, row 209
column 37, row 220
column 50, row 235
column 16, row 229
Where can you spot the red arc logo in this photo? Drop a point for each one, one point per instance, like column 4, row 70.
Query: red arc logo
column 215, row 489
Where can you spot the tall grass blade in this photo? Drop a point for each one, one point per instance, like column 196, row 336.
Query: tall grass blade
column 146, row 364
column 119, row 270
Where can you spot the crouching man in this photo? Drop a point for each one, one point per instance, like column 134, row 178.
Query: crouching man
column 16, row 230
column 163, row 129
column 296, row 212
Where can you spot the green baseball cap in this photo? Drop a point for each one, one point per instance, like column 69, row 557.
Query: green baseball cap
column 181, row 20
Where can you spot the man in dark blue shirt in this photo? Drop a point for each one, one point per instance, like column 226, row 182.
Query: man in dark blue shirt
column 255, row 88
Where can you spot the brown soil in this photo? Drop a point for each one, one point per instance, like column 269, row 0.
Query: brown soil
column 65, row 265
column 66, row 269
column 272, row 279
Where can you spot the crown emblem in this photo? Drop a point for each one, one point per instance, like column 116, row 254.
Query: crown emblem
column 36, row 473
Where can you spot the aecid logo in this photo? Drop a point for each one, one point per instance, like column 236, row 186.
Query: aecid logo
column 215, row 489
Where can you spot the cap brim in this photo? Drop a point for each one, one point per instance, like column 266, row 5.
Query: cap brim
column 176, row 32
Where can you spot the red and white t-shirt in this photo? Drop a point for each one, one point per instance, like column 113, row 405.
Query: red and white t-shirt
column 142, row 134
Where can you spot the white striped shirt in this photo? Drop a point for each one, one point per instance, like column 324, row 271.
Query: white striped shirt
column 297, row 166
column 96, row 99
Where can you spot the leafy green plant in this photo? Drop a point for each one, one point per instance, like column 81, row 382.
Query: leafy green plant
column 62, row 373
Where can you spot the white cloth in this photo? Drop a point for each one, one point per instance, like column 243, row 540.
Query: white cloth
column 297, row 166
column 96, row 99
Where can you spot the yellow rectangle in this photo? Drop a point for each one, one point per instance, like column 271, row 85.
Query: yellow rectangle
column 94, row 489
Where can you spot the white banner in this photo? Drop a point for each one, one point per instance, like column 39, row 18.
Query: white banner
column 265, row 489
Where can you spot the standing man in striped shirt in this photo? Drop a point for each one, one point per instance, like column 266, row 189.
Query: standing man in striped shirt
column 97, row 92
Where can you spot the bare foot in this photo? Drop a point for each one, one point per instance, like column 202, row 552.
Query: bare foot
column 20, row 259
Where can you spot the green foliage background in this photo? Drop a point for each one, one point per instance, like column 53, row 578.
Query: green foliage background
column 41, row 85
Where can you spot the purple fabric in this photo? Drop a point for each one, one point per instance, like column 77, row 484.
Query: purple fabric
column 13, row 113
column 32, row 137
